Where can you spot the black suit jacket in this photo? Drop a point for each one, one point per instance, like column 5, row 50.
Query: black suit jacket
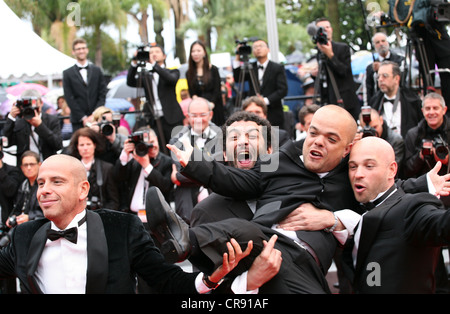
column 83, row 99
column 411, row 105
column 109, row 193
column 403, row 236
column 274, row 87
column 49, row 132
column 10, row 179
column 168, row 79
column 118, row 249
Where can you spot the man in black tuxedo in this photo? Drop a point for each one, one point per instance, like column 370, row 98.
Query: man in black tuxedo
column 335, row 58
column 84, row 86
column 161, row 90
column 381, row 45
column 399, row 106
column 39, row 132
column 103, row 250
column 271, row 80
column 246, row 136
column 398, row 240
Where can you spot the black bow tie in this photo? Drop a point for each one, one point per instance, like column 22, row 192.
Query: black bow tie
column 260, row 67
column 69, row 234
column 385, row 99
column 81, row 68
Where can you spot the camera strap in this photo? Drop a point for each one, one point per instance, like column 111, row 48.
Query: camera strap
column 339, row 100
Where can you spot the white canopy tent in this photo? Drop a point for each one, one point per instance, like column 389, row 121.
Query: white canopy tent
column 24, row 55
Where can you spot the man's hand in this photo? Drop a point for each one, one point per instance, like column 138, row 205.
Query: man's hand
column 309, row 218
column 265, row 266
column 182, row 155
column 230, row 259
column 441, row 183
column 327, row 49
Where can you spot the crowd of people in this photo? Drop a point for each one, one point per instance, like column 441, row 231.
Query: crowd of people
column 202, row 178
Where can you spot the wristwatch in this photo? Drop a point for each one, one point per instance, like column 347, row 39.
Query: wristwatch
column 211, row 285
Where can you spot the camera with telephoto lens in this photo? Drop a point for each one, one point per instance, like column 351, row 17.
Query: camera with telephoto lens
column 106, row 127
column 27, row 107
column 320, row 37
column 366, row 112
column 140, row 140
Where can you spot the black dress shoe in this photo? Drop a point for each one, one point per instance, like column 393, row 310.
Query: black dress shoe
column 167, row 227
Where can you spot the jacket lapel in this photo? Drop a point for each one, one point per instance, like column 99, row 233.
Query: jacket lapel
column 97, row 249
column 34, row 255
column 371, row 223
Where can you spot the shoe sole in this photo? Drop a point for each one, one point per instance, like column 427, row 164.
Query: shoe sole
column 156, row 219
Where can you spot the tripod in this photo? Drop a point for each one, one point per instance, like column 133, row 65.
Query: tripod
column 422, row 58
column 145, row 81
column 321, row 82
column 247, row 67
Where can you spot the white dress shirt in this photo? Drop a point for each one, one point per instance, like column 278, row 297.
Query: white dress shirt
column 63, row 264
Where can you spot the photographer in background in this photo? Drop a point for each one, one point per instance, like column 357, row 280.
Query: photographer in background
column 161, row 89
column 372, row 124
column 141, row 165
column 26, row 206
column 271, row 80
column 336, row 70
column 426, row 143
column 29, row 128
column 107, row 124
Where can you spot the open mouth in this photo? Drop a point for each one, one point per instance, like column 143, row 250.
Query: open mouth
column 359, row 187
column 244, row 158
column 315, row 154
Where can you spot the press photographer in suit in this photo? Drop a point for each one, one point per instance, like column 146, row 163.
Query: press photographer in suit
column 271, row 81
column 31, row 129
column 84, row 86
column 335, row 58
column 160, row 89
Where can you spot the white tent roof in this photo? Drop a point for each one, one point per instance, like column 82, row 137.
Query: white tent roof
column 24, row 55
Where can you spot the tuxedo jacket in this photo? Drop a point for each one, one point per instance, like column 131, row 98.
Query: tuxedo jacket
column 403, row 236
column 282, row 188
column 118, row 248
column 274, row 87
column 340, row 66
column 128, row 177
column 411, row 105
column 49, row 132
column 168, row 79
column 83, row 98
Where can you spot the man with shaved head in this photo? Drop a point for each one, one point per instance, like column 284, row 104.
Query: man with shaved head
column 81, row 251
column 397, row 242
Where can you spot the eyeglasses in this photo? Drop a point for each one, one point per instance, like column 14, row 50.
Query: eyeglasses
column 199, row 115
column 29, row 165
column 384, row 75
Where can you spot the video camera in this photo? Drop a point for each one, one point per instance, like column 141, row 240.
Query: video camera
column 440, row 10
column 140, row 140
column 440, row 147
column 423, row 11
column 244, row 50
column 28, row 107
column 143, row 53
column 318, row 34
column 366, row 112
